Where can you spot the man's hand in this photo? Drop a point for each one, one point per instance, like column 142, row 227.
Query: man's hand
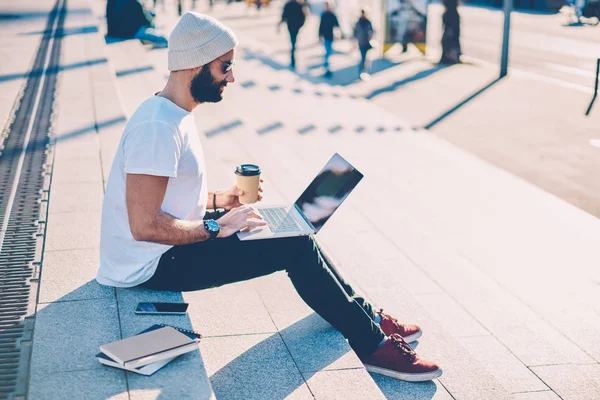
column 240, row 218
column 230, row 199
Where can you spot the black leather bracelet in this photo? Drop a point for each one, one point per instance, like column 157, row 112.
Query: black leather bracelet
column 215, row 201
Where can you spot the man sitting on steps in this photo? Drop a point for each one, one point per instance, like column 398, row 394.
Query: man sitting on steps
column 155, row 232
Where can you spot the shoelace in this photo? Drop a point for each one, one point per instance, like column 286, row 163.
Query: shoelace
column 380, row 312
column 386, row 316
column 401, row 344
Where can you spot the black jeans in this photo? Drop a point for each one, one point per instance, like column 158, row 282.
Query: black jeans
column 218, row 262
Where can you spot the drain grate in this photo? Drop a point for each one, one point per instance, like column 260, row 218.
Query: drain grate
column 23, row 208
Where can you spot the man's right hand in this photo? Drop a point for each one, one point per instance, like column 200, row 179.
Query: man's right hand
column 240, row 218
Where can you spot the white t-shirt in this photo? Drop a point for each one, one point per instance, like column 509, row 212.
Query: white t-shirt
column 160, row 139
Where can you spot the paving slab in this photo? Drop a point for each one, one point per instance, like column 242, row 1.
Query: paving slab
column 505, row 367
column 541, row 395
column 352, row 384
column 450, row 313
column 132, row 323
column 572, row 382
column 68, row 335
column 184, row 376
column 93, row 384
column 73, row 230
column 77, row 170
column 75, row 197
column 399, row 390
column 234, row 309
column 313, row 343
column 252, row 367
column 71, row 275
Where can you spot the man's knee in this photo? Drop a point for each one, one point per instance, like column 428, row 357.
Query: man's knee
column 302, row 252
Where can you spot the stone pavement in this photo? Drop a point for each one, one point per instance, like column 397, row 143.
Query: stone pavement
column 501, row 275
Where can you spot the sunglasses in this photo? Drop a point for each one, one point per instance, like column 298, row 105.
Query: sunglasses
column 227, row 65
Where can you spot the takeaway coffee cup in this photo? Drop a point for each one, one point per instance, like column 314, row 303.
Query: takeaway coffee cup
column 248, row 179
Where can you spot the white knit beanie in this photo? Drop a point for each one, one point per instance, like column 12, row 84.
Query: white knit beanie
column 198, row 39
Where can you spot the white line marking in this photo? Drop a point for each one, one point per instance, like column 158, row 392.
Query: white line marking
column 535, row 75
column 571, row 70
column 13, row 192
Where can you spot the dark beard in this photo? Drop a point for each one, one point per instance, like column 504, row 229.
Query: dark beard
column 205, row 89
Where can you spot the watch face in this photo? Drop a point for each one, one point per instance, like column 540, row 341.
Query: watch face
column 212, row 225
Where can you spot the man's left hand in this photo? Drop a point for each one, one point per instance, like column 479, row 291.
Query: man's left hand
column 229, row 199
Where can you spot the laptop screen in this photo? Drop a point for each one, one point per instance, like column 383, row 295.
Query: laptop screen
column 328, row 190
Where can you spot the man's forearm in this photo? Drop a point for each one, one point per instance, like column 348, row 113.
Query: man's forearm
column 166, row 229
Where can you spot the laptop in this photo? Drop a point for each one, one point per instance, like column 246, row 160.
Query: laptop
column 313, row 208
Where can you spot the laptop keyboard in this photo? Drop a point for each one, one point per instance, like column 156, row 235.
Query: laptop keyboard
column 280, row 220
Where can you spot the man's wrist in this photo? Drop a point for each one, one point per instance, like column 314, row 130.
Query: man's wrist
column 216, row 199
column 212, row 228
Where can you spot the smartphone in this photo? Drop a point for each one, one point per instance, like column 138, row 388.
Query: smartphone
column 162, row 308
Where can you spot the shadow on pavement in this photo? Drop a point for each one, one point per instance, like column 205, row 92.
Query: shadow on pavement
column 126, row 72
column 82, row 30
column 399, row 390
column 342, row 77
column 350, row 74
column 40, row 145
column 459, row 105
column 49, row 71
column 305, row 129
column 418, row 76
column 15, row 16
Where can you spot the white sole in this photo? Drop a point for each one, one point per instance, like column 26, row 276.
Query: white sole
column 403, row 376
column 413, row 337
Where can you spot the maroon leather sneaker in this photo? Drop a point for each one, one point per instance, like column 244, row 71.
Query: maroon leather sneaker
column 390, row 325
column 396, row 359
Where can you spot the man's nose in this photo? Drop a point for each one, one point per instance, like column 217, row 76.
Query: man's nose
column 229, row 77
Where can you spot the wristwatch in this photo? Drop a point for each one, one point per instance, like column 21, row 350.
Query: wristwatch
column 212, row 227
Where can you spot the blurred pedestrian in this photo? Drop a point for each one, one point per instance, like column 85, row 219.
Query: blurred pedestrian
column 294, row 16
column 329, row 21
column 129, row 19
column 579, row 5
column 451, row 51
column 363, row 33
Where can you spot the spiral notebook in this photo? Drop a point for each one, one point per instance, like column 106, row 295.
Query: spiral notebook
column 149, row 350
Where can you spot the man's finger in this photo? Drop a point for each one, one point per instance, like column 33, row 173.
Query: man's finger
column 255, row 215
column 253, row 222
column 251, row 209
